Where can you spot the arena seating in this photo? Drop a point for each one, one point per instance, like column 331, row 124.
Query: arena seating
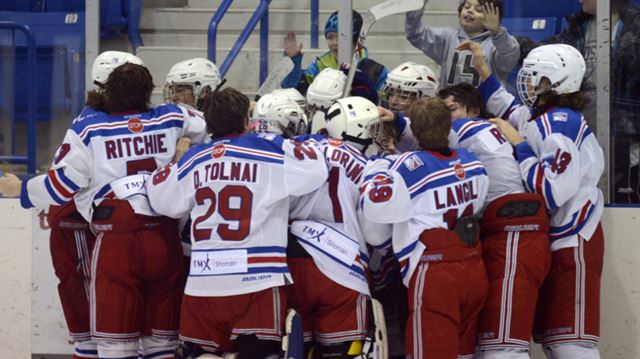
column 541, row 9
column 60, row 53
column 533, row 28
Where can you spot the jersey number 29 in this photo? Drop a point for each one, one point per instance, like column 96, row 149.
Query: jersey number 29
column 222, row 203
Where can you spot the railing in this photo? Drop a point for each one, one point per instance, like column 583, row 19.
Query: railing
column 30, row 158
column 260, row 15
column 133, row 23
column 315, row 13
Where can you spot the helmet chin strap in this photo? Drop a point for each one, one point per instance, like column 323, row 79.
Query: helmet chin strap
column 365, row 143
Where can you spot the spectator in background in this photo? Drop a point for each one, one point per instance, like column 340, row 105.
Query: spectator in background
column 370, row 72
column 625, row 85
column 479, row 22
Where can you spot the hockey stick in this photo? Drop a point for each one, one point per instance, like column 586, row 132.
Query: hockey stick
column 275, row 77
column 375, row 13
column 293, row 341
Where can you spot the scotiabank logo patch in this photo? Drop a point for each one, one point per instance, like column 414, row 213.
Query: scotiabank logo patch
column 459, row 171
column 217, row 151
column 334, row 142
column 135, row 125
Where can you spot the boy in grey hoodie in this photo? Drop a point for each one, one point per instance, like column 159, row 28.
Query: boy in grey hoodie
column 480, row 22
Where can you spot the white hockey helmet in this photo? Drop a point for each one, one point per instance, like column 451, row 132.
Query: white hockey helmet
column 279, row 114
column 411, row 79
column 325, row 89
column 293, row 94
column 357, row 121
column 563, row 65
column 107, row 61
column 197, row 73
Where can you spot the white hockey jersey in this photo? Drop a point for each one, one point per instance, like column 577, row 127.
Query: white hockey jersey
column 487, row 142
column 237, row 190
column 420, row 191
column 561, row 160
column 100, row 148
column 334, row 205
column 494, row 151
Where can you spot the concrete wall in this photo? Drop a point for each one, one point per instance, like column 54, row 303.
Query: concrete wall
column 23, row 248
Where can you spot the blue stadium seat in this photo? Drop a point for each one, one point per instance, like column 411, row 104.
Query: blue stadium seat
column 8, row 5
column 63, row 5
column 60, row 53
column 113, row 17
column 533, row 28
column 121, row 16
column 53, row 91
column 42, row 5
column 541, row 9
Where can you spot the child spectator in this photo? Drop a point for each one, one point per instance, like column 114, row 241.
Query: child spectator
column 480, row 22
column 369, row 71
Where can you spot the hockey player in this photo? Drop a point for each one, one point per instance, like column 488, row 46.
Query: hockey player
column 325, row 89
column 562, row 161
column 106, row 62
column 293, row 94
column 279, row 115
column 326, row 253
column 135, row 266
column 71, row 240
column 189, row 82
column 407, row 83
column 515, row 225
column 237, row 191
column 429, row 196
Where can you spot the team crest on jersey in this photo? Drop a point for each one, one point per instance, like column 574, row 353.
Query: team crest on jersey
column 560, row 116
column 135, row 125
column 267, row 136
column 218, row 151
column 413, row 162
column 459, row 171
column 335, row 142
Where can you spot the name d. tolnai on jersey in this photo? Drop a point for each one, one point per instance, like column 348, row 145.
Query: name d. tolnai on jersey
column 231, row 171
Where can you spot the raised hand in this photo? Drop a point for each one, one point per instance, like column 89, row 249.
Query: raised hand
column 386, row 115
column 491, row 20
column 513, row 136
column 181, row 148
column 478, row 57
column 291, row 46
column 10, row 185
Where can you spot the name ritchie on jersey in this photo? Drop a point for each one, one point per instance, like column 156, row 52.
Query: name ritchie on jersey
column 135, row 146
